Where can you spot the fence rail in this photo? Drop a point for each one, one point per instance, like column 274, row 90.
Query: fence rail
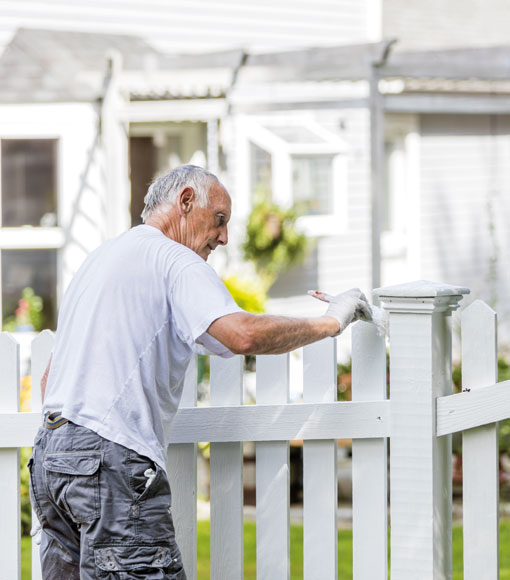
column 418, row 420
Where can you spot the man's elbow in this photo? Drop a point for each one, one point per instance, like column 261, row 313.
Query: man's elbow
column 243, row 344
column 239, row 332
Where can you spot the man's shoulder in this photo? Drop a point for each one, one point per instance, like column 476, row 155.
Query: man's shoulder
column 174, row 255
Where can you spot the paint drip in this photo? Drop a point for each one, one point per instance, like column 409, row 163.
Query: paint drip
column 379, row 317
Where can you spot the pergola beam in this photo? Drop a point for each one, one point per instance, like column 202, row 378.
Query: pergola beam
column 351, row 62
column 447, row 103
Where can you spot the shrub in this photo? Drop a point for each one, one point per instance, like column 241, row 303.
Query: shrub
column 273, row 242
column 249, row 294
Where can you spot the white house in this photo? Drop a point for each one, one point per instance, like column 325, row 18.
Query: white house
column 399, row 158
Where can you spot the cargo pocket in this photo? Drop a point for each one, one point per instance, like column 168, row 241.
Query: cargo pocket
column 32, row 487
column 72, row 481
column 144, row 477
column 145, row 562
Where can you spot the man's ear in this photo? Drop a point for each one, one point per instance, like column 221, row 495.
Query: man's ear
column 186, row 199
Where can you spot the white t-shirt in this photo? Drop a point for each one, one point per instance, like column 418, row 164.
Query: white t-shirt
column 128, row 325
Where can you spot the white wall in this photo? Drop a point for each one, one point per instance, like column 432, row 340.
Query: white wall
column 202, row 25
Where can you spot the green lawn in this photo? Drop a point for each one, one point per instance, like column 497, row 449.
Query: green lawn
column 296, row 547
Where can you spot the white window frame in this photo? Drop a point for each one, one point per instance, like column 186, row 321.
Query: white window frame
column 258, row 131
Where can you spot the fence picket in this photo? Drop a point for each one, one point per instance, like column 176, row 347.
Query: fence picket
column 480, row 448
column 272, row 473
column 42, row 346
column 320, row 484
column 10, row 510
column 226, row 477
column 182, row 474
column 369, row 461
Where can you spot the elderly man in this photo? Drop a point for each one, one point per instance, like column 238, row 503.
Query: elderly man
column 132, row 317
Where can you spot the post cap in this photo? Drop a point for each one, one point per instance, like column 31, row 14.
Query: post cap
column 420, row 289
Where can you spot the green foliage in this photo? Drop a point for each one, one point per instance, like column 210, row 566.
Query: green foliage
column 249, row 294
column 26, row 508
column 457, row 378
column 273, row 243
column 344, row 381
column 29, row 312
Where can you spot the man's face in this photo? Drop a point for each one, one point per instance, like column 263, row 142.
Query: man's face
column 206, row 227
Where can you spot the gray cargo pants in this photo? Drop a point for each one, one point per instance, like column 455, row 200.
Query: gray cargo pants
column 101, row 515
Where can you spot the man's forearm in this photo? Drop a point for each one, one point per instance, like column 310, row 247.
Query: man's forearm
column 279, row 334
column 265, row 334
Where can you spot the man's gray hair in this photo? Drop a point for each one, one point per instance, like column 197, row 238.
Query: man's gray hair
column 165, row 189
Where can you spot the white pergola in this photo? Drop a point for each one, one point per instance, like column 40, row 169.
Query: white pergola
column 210, row 87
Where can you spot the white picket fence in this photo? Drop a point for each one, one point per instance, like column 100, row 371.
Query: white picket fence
column 418, row 419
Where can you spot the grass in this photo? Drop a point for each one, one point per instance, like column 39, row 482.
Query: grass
column 296, row 549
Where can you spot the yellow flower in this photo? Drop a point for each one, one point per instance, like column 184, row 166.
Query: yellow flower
column 26, row 394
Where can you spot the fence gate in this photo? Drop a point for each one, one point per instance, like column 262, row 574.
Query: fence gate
column 419, row 420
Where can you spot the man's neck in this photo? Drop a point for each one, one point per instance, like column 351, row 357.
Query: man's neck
column 166, row 224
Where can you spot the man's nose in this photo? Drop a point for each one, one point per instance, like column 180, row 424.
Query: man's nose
column 223, row 236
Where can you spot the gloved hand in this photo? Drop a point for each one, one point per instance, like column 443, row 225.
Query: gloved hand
column 346, row 307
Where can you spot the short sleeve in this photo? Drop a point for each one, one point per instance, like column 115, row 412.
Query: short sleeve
column 198, row 298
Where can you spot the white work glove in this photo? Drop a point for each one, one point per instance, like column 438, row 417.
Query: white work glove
column 36, row 530
column 346, row 307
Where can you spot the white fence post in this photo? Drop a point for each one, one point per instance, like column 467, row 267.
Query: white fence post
column 182, row 474
column 320, row 482
column 420, row 473
column 227, row 548
column 10, row 510
column 480, row 461
column 369, row 461
column 273, row 479
column 42, row 346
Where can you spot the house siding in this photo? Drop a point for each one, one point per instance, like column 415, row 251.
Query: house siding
column 438, row 24
column 465, row 205
column 200, row 25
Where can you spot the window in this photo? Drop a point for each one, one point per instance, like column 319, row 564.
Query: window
column 297, row 162
column 29, row 182
column 29, row 236
column 36, row 269
column 312, row 184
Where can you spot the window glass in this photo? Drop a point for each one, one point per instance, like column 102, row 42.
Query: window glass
column 312, row 184
column 29, row 182
column 35, row 270
column 261, row 171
